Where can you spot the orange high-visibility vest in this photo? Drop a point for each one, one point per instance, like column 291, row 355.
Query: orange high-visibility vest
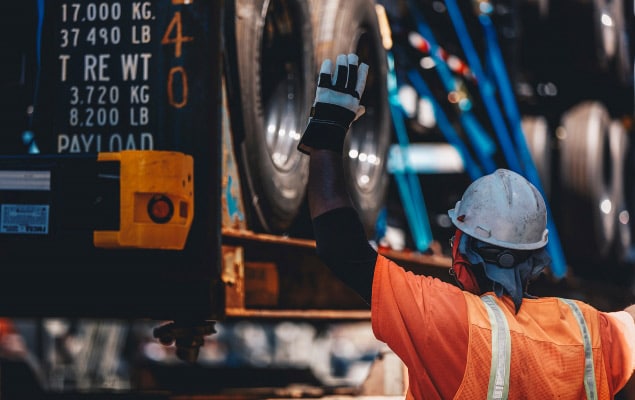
column 444, row 337
column 528, row 359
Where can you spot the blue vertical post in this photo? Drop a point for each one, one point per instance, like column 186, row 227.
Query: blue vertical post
column 558, row 262
column 408, row 181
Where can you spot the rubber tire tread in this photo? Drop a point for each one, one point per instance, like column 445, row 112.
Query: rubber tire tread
column 588, row 171
column 274, row 196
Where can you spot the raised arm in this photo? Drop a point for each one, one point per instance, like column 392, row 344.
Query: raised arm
column 326, row 188
column 340, row 236
column 336, row 106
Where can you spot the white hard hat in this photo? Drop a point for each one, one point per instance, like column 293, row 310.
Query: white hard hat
column 503, row 209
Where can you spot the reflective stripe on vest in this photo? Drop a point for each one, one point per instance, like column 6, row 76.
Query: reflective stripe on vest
column 589, row 369
column 501, row 351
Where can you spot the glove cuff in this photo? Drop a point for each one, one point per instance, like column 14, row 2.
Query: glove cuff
column 327, row 128
column 320, row 134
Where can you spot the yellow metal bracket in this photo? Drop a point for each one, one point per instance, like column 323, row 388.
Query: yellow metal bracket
column 156, row 200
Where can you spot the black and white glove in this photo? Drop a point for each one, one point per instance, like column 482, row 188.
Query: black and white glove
column 336, row 104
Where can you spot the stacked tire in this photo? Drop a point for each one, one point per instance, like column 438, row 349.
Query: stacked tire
column 270, row 74
column 351, row 26
column 274, row 49
column 592, row 161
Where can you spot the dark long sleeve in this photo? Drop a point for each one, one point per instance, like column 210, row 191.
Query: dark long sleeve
column 344, row 248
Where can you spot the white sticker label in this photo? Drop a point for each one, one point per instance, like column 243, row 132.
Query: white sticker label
column 24, row 219
column 25, row 180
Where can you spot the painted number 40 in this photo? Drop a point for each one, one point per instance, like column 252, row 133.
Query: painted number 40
column 174, row 36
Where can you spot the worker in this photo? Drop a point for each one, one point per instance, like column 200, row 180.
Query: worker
column 484, row 337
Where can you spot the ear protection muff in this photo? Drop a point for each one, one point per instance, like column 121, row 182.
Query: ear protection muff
column 504, row 258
